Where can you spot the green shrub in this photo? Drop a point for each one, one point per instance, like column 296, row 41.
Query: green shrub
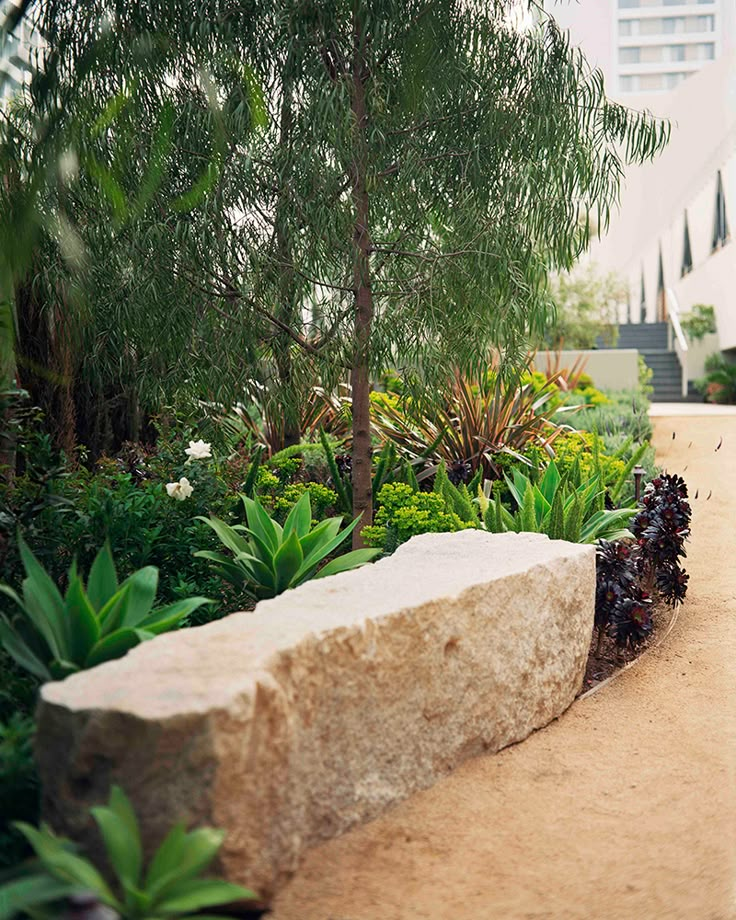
column 591, row 396
column 587, row 450
column 52, row 636
column 626, row 413
column 646, row 375
column 123, row 500
column 278, row 493
column 699, row 322
column 268, row 559
column 404, row 512
column 169, row 887
column 719, row 384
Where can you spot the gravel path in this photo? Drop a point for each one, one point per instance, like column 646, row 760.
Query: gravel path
column 624, row 809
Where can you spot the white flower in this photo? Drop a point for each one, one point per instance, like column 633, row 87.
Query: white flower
column 180, row 490
column 198, row 450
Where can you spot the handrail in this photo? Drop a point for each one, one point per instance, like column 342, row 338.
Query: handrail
column 680, row 342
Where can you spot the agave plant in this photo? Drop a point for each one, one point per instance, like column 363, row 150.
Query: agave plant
column 561, row 510
column 170, row 887
column 53, row 636
column 476, row 418
column 268, row 559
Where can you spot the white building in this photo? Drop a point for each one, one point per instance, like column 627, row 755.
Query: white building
column 17, row 52
column 648, row 46
column 677, row 215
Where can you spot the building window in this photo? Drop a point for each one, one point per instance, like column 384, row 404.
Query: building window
column 651, row 82
column 652, row 54
column 675, row 53
column 700, row 24
column 629, row 55
column 671, row 80
column 673, row 24
column 721, row 233
column 627, row 27
column 628, row 4
column 687, row 253
column 642, row 299
column 628, row 84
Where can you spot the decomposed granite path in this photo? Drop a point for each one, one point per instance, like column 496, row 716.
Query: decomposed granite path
column 623, row 809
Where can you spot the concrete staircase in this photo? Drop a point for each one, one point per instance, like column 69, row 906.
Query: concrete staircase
column 650, row 339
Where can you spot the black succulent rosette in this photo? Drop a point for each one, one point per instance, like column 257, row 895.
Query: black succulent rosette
column 631, row 623
column 616, row 577
column 344, row 463
column 461, row 471
column 672, row 584
column 661, row 529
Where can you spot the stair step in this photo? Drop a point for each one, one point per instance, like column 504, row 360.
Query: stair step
column 643, row 336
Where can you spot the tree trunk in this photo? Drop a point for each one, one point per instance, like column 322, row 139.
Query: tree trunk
column 288, row 305
column 360, row 380
column 7, row 380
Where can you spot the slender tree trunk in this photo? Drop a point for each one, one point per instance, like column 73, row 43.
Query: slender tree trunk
column 288, row 305
column 360, row 380
column 66, row 436
column 7, row 377
column 8, row 369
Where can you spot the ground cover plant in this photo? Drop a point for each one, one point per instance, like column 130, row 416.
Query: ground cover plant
column 632, row 575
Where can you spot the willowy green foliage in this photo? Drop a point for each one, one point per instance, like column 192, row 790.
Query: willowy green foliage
column 382, row 181
column 169, row 886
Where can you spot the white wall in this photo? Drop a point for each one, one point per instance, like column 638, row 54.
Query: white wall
column 611, row 370
column 656, row 195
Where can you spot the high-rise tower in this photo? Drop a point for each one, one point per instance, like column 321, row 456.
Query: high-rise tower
column 648, row 46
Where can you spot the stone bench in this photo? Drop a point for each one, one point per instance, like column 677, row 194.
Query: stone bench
column 289, row 725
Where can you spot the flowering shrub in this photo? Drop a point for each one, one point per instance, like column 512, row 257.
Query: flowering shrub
column 180, row 490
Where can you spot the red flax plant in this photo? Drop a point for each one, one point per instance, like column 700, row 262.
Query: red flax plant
column 477, row 416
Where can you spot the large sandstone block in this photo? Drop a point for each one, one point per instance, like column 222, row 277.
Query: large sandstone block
column 289, row 725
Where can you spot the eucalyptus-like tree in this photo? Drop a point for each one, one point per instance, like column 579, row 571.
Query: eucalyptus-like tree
column 381, row 179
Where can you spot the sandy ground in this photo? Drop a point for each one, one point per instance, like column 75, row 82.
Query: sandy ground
column 624, row 808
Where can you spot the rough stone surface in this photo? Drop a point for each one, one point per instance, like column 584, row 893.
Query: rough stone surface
column 291, row 724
